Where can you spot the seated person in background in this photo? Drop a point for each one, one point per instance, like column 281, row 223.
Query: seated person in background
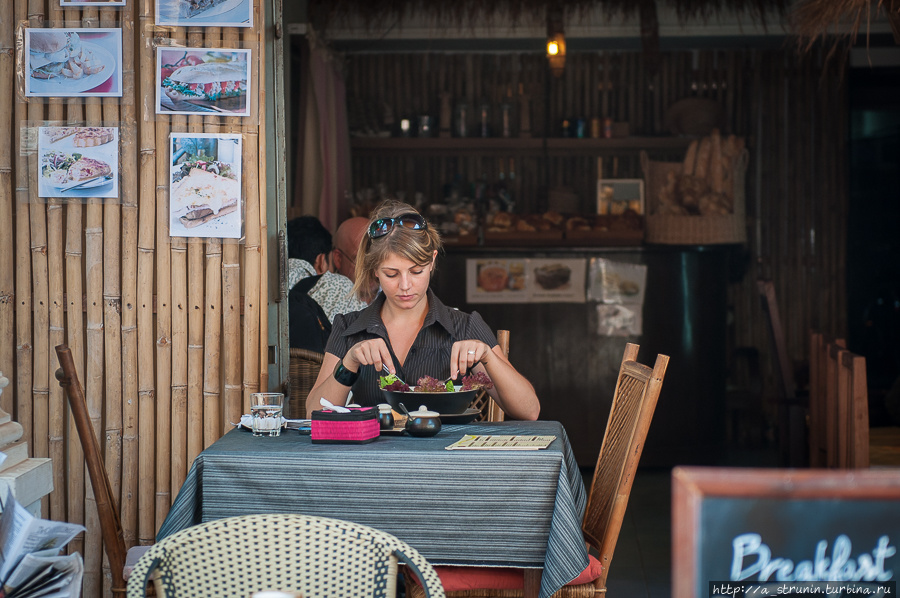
column 407, row 327
column 347, row 238
column 309, row 249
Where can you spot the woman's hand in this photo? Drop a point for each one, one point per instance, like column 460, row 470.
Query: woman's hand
column 371, row 352
column 511, row 390
column 465, row 354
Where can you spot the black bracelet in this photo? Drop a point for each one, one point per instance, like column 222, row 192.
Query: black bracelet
column 343, row 375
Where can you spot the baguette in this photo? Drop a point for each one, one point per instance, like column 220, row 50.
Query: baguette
column 690, row 158
column 704, row 150
column 716, row 175
column 204, row 215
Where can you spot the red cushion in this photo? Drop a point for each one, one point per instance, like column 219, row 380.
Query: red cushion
column 456, row 579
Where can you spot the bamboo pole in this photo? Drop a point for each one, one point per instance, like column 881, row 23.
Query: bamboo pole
column 112, row 317
column 7, row 236
column 75, row 334
column 212, row 309
column 28, row 393
column 56, row 290
column 129, row 503
column 252, row 257
column 147, row 462
column 260, row 177
column 178, row 251
column 163, row 334
column 231, row 301
column 95, row 380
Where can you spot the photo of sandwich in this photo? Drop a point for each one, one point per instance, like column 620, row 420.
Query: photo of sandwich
column 205, row 189
column 73, row 62
column 78, row 161
column 190, row 13
column 203, row 81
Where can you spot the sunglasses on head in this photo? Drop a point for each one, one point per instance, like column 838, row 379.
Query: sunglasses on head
column 383, row 226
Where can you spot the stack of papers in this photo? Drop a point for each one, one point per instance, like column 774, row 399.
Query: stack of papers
column 501, row 443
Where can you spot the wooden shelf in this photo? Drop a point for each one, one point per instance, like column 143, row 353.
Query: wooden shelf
column 447, row 144
column 551, row 145
column 630, row 144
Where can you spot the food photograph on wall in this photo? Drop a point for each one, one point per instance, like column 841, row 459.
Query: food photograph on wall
column 65, row 3
column 215, row 13
column 205, row 189
column 496, row 281
column 78, row 162
column 519, row 280
column 73, row 62
column 557, row 280
column 203, row 81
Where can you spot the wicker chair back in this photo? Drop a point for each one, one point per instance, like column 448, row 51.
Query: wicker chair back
column 315, row 556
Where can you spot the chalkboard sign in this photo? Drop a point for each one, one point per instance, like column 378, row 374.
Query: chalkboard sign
column 761, row 533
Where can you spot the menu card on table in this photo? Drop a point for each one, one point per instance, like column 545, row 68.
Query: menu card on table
column 501, row 443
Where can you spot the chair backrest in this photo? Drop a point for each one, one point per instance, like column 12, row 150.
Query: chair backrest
column 110, row 522
column 316, row 556
column 819, row 420
column 785, row 369
column 634, row 401
column 853, row 405
column 833, row 406
column 490, row 410
column 303, row 370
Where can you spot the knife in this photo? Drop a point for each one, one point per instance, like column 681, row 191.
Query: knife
column 104, row 177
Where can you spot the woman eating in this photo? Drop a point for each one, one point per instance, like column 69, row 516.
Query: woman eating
column 406, row 327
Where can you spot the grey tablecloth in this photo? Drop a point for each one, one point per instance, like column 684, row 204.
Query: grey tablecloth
column 485, row 508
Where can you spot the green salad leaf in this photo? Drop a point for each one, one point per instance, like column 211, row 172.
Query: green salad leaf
column 387, row 380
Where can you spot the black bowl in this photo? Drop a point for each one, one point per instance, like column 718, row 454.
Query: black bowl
column 443, row 402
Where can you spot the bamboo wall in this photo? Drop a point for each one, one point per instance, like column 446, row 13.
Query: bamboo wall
column 165, row 332
column 792, row 110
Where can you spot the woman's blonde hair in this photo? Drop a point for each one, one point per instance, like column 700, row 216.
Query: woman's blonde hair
column 418, row 246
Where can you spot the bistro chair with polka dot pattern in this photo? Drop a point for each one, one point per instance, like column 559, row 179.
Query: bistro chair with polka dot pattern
column 315, row 556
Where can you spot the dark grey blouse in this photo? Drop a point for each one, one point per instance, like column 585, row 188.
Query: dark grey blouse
column 429, row 354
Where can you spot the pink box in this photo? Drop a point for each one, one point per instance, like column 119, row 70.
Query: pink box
column 357, row 427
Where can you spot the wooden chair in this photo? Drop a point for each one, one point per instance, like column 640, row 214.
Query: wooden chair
column 317, row 556
column 833, row 406
column 490, row 410
column 791, row 410
column 819, row 349
column 120, row 561
column 303, row 371
column 634, row 401
column 853, row 407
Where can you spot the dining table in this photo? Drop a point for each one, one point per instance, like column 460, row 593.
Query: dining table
column 486, row 508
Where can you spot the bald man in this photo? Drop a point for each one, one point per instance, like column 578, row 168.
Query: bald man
column 346, row 244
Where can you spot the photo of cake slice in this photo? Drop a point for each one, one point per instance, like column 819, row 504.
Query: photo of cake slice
column 87, row 168
column 93, row 136
column 54, row 134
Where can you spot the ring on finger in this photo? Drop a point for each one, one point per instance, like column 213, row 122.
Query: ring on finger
column 471, row 352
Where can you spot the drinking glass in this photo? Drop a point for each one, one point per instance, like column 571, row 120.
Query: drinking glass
column 265, row 413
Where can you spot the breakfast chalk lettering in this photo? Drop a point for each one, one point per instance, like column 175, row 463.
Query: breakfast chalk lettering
column 752, row 559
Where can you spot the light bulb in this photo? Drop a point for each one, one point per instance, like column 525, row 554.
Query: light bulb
column 552, row 48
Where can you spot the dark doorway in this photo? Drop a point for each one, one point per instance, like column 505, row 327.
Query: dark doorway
column 873, row 233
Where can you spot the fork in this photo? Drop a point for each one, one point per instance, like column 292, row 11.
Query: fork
column 388, row 372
